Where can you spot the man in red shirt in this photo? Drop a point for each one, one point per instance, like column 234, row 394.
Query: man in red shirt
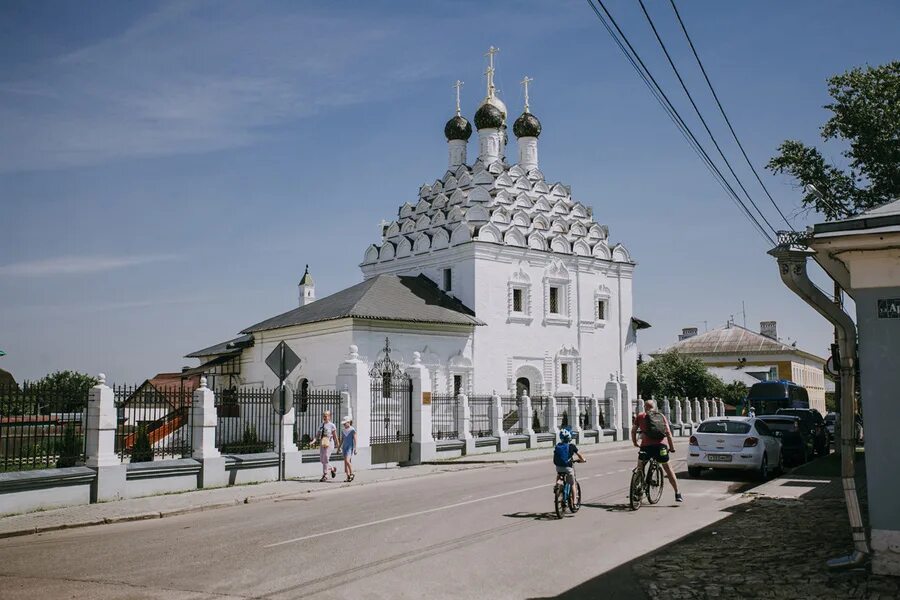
column 651, row 446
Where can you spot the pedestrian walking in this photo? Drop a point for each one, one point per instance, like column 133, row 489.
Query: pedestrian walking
column 348, row 446
column 327, row 438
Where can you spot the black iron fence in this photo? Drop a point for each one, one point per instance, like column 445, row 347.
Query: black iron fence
column 563, row 419
column 539, row 414
column 245, row 420
column 584, row 413
column 481, row 409
column 512, row 422
column 605, row 413
column 443, row 416
column 41, row 427
column 309, row 408
column 153, row 422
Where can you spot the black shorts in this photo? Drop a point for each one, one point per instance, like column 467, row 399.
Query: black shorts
column 658, row 451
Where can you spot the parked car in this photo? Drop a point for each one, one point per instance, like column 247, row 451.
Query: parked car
column 744, row 443
column 812, row 422
column 797, row 444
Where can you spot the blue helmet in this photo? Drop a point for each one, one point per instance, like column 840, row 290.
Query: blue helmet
column 565, row 435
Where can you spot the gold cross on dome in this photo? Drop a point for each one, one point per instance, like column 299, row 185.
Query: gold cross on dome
column 525, row 83
column 458, row 85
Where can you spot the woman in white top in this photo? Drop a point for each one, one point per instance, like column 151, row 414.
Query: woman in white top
column 327, row 440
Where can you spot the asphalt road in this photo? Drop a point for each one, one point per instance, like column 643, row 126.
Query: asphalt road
column 473, row 533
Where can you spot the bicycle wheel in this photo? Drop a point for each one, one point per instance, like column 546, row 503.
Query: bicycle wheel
column 636, row 491
column 558, row 504
column 654, row 483
column 575, row 498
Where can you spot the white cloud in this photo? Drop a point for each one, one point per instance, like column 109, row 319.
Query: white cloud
column 78, row 265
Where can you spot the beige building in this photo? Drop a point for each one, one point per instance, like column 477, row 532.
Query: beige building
column 741, row 348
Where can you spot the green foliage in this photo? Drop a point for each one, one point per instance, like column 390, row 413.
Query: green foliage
column 831, row 403
column 535, row 421
column 142, row 451
column 674, row 374
column 735, row 393
column 63, row 391
column 69, row 448
column 565, row 420
column 865, row 115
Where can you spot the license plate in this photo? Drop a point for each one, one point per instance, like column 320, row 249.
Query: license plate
column 718, row 457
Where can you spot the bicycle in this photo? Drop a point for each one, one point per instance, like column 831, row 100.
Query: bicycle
column 566, row 495
column 648, row 482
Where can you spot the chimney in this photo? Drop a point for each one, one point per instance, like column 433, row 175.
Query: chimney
column 769, row 329
column 687, row 332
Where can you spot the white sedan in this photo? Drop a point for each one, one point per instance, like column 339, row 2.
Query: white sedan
column 734, row 443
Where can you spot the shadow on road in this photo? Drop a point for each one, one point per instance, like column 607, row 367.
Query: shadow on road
column 536, row 516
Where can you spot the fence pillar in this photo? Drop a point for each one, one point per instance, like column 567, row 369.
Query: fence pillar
column 550, row 415
column 284, row 430
column 688, row 420
column 678, row 421
column 666, row 409
column 721, row 407
column 575, row 419
column 423, row 445
column 212, row 463
column 704, row 409
column 346, row 409
column 613, row 396
column 101, row 444
column 497, row 426
column 464, row 423
column 696, row 410
column 525, row 421
column 353, row 378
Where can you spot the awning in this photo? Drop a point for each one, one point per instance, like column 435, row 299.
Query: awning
column 209, row 365
column 640, row 323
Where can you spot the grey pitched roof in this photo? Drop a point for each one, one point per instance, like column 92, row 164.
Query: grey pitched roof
column 733, row 339
column 229, row 346
column 383, row 297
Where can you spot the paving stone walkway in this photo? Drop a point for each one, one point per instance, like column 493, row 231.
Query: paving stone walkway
column 771, row 547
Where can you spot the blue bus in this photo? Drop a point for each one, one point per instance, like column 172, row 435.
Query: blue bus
column 766, row 397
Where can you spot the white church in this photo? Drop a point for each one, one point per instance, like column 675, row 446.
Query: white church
column 501, row 280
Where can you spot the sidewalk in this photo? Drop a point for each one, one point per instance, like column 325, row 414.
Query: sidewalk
column 168, row 505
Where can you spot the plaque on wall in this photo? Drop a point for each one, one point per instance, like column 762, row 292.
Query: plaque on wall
column 889, row 308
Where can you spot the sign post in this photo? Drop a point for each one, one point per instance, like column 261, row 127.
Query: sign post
column 282, row 360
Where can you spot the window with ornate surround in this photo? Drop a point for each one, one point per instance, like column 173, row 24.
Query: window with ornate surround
column 519, row 297
column 601, row 305
column 557, row 295
column 568, row 368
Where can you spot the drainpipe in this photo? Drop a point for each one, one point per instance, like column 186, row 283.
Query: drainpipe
column 792, row 264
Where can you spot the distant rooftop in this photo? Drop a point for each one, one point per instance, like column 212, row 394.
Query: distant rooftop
column 733, row 339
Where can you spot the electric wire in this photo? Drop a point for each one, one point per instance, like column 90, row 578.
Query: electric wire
column 644, row 73
column 725, row 116
column 709, row 132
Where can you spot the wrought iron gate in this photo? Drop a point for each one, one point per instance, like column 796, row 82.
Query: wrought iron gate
column 391, row 416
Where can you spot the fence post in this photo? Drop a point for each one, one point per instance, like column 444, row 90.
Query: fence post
column 284, row 431
column 423, row 445
column 678, row 421
column 613, row 394
column 688, row 420
column 464, row 423
column 575, row 419
column 696, row 411
column 704, row 409
column 595, row 418
column 551, row 412
column 525, row 421
column 497, row 426
column 353, row 377
column 721, row 407
column 346, row 409
column 212, row 463
column 101, row 444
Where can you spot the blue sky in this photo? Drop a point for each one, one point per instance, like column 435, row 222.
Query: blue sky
column 167, row 169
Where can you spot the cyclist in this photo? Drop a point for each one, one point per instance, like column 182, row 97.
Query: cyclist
column 564, row 455
column 654, row 428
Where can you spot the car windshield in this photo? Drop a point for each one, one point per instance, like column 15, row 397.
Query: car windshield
column 803, row 414
column 735, row 427
column 780, row 425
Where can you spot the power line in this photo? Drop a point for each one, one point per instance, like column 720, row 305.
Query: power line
column 725, row 116
column 644, row 73
column 700, row 115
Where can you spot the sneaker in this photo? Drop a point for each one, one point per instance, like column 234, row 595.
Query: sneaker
column 324, row 478
column 678, row 498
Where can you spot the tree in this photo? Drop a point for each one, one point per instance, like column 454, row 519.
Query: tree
column 674, row 374
column 63, row 391
column 734, row 394
column 142, row 451
column 866, row 115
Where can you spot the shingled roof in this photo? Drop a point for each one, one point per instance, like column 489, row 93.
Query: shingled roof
column 383, row 297
column 733, row 339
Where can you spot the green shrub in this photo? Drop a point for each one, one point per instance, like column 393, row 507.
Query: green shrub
column 142, row 451
column 68, row 448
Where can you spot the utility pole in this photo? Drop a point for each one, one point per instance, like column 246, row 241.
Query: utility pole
column 839, row 302
column 744, row 310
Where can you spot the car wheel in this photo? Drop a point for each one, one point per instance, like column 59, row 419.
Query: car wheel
column 694, row 472
column 764, row 469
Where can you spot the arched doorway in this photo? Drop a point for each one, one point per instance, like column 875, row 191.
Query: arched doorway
column 523, row 387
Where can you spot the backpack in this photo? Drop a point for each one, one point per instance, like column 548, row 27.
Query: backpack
column 561, row 456
column 655, row 425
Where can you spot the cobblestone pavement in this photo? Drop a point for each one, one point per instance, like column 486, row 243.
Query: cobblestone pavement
column 769, row 548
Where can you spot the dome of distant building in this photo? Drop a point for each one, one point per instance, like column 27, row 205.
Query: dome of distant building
column 458, row 128
column 527, row 125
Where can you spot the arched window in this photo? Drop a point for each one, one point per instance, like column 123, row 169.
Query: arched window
column 523, row 387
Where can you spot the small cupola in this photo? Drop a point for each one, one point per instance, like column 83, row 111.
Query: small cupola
column 458, row 130
column 527, row 129
column 307, row 288
column 490, row 119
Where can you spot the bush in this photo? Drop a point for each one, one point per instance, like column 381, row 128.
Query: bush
column 69, row 448
column 142, row 451
column 535, row 421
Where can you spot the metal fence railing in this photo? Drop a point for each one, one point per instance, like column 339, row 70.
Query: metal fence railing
column 563, row 420
column 41, row 427
column 309, row 407
column 604, row 413
column 245, row 420
column 584, row 413
column 539, row 414
column 512, row 423
column 154, row 423
column 482, row 412
column 443, row 416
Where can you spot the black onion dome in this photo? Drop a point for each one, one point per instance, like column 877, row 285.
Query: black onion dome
column 458, row 128
column 489, row 116
column 527, row 125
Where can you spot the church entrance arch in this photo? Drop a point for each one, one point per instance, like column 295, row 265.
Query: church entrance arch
column 528, row 381
column 523, row 387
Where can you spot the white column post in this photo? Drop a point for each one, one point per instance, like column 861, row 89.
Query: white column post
column 464, row 423
column 704, row 409
column 101, row 444
column 353, row 378
column 688, row 419
column 575, row 419
column 696, row 411
column 423, row 445
column 666, row 409
column 497, row 426
column 525, row 419
column 205, row 420
column 552, row 412
column 284, row 430
column 678, row 422
column 614, row 400
column 721, row 407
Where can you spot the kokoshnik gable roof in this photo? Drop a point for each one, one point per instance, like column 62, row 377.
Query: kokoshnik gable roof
column 414, row 299
column 734, row 339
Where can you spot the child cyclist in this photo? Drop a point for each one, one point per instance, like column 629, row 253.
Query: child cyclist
column 564, row 455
